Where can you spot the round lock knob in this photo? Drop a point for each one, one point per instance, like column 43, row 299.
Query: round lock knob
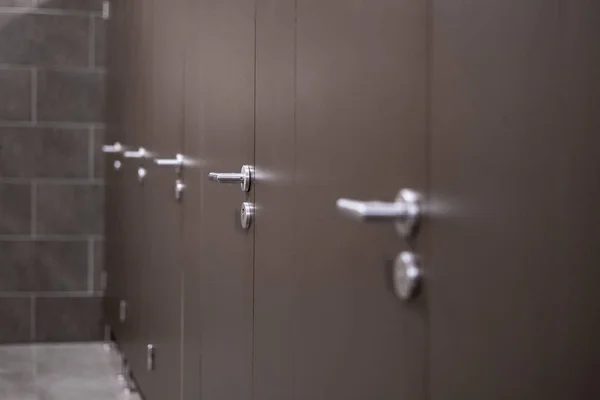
column 246, row 214
column 117, row 165
column 179, row 188
column 141, row 174
column 407, row 275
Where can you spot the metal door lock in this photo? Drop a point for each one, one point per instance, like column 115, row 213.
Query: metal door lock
column 247, row 214
column 244, row 178
column 179, row 188
column 141, row 173
column 150, row 357
column 405, row 211
column 117, row 165
column 407, row 275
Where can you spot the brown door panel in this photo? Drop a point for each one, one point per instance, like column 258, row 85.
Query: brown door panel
column 220, row 133
column 137, row 208
column 514, row 157
column 162, row 296
column 342, row 115
column 275, row 229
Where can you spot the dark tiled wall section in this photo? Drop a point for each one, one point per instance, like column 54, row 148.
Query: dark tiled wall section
column 51, row 172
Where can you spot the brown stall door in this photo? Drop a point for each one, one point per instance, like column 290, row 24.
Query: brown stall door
column 341, row 112
column 117, row 93
column 162, row 274
column 275, row 229
column 195, row 180
column 135, row 233
column 119, row 279
column 115, row 283
column 514, row 310
column 219, row 253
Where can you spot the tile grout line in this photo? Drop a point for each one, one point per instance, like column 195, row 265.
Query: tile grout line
column 91, row 152
column 54, row 181
column 91, row 266
column 51, row 124
column 49, row 238
column 92, row 42
column 54, row 68
column 33, row 208
column 48, row 11
column 34, row 95
column 52, row 295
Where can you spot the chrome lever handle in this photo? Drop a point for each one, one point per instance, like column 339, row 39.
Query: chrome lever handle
column 115, row 148
column 222, row 177
column 112, row 148
column 139, row 153
column 371, row 210
column 405, row 211
column 178, row 161
column 244, row 178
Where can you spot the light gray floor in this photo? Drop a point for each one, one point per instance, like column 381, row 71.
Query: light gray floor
column 60, row 372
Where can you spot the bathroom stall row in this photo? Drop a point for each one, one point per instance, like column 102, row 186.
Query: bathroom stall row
column 333, row 199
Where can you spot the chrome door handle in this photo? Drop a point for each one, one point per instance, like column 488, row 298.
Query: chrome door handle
column 178, row 161
column 139, row 153
column 113, row 148
column 405, row 211
column 224, row 177
column 244, row 178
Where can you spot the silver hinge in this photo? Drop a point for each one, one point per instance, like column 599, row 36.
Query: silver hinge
column 106, row 9
column 122, row 311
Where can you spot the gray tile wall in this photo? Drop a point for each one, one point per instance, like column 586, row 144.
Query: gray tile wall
column 52, row 55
